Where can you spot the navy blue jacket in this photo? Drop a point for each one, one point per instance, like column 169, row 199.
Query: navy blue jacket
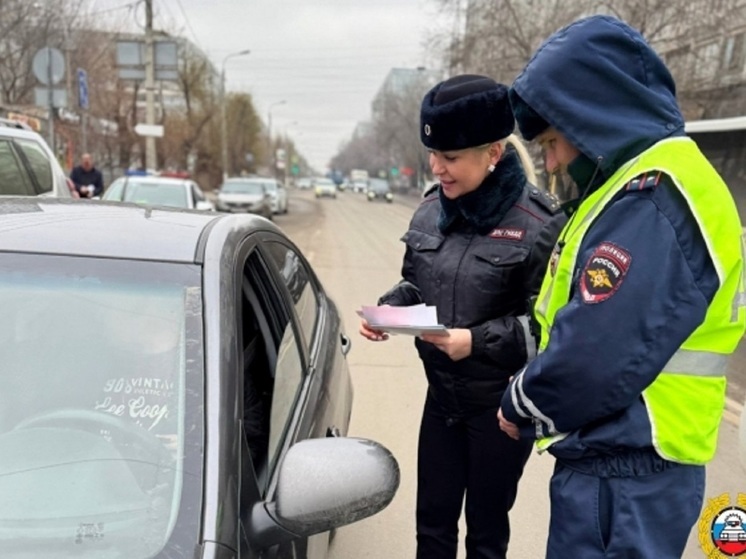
column 601, row 356
column 81, row 177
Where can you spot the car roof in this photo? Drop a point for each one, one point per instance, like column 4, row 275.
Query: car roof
column 8, row 131
column 249, row 179
column 159, row 181
column 101, row 229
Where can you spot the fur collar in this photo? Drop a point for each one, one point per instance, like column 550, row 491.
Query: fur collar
column 485, row 207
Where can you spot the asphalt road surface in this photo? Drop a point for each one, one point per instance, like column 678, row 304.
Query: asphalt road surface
column 354, row 247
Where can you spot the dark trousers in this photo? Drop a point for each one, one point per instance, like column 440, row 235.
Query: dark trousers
column 471, row 457
column 634, row 517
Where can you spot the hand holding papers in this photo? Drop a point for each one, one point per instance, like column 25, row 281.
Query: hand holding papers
column 414, row 320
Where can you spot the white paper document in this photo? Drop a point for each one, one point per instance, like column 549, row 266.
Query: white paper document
column 413, row 320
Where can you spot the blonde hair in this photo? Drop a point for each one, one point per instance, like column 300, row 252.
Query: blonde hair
column 526, row 161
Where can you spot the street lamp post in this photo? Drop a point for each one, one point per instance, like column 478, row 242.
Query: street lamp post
column 223, row 125
column 269, row 134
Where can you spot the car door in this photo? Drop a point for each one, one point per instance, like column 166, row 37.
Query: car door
column 327, row 410
column 276, row 385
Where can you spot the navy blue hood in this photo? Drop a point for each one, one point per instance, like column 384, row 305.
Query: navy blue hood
column 603, row 87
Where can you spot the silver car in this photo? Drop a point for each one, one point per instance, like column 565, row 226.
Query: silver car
column 174, row 386
column 245, row 195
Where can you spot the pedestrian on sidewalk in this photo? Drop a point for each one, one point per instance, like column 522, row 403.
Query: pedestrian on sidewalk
column 641, row 305
column 88, row 180
column 476, row 249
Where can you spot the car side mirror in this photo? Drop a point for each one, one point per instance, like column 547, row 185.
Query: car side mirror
column 324, row 484
column 204, row 205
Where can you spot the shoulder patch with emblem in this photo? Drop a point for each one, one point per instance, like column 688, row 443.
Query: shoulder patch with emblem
column 604, row 272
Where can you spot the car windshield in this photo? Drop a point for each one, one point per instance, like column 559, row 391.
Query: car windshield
column 100, row 437
column 155, row 193
column 271, row 187
column 242, row 187
column 324, row 182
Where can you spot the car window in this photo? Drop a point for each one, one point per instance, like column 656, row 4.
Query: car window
column 293, row 271
column 13, row 177
column 114, row 192
column 270, row 186
column 173, row 195
column 39, row 162
column 279, row 385
column 100, row 379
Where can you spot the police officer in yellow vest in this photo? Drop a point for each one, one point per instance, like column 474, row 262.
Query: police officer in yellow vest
column 640, row 307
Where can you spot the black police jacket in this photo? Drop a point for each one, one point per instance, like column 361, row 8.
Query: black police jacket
column 481, row 276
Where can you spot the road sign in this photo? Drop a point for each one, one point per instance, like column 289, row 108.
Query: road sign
column 82, row 89
column 41, row 97
column 155, row 130
column 48, row 64
column 131, row 60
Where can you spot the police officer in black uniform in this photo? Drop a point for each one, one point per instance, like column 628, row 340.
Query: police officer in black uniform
column 476, row 249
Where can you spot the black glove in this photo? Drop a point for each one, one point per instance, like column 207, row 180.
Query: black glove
column 403, row 294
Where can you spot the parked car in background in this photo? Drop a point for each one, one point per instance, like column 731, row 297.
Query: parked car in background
column 201, row 409
column 324, row 187
column 158, row 191
column 379, row 189
column 304, row 183
column 245, row 194
column 278, row 194
column 27, row 165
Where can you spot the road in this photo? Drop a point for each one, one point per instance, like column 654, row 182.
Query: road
column 354, row 247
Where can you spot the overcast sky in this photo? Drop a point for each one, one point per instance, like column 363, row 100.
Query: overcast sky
column 325, row 58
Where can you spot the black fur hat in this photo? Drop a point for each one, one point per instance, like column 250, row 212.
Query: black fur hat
column 465, row 111
column 529, row 121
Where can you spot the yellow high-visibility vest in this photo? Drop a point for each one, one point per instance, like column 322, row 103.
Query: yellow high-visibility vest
column 685, row 402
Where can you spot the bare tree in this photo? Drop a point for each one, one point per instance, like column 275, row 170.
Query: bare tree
column 187, row 123
column 360, row 152
column 26, row 27
column 498, row 37
column 245, row 133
